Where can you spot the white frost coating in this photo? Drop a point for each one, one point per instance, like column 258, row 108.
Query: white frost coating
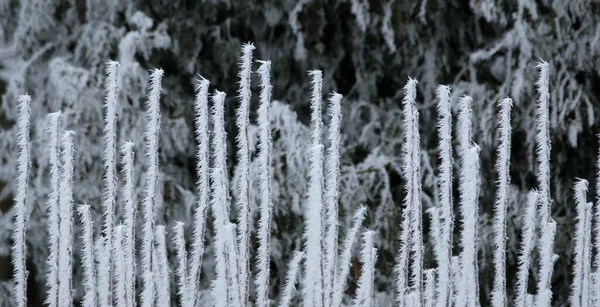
column 543, row 141
column 464, row 129
column 596, row 231
column 313, row 278
column 149, row 201
column 109, row 160
column 546, row 263
column 202, row 186
column 579, row 262
column 290, row 279
column 120, row 268
column 344, row 261
column 163, row 291
column 527, row 243
column 130, row 206
column 332, row 169
column 265, row 200
column 468, row 287
column 443, row 251
column 65, row 269
column 53, row 126
column 368, row 255
column 19, row 247
column 185, row 298
column 499, row 297
column 429, row 288
column 87, row 256
column 586, row 289
column 242, row 183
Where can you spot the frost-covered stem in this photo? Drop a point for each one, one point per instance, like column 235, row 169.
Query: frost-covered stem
column 127, row 153
column 444, row 248
column 65, row 269
column 163, row 291
column 344, row 262
column 547, row 259
column 587, row 290
column 243, row 163
column 332, row 169
column 596, row 232
column 527, row 241
column 120, row 281
column 185, row 297
column 265, row 201
column 543, row 140
column 219, row 200
column 87, row 256
column 232, row 262
column 290, row 279
column 53, row 120
column 579, row 263
column 149, row 201
column 313, row 278
column 109, row 160
column 499, row 298
column 19, row 248
column 364, row 293
column 429, row 292
column 469, row 185
column 202, row 185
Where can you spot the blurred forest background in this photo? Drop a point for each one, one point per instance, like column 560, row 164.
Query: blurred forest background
column 56, row 50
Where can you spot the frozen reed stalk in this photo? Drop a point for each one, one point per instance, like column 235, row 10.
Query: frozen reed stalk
column 185, row 298
column 163, row 291
column 120, row 268
column 368, row 255
column 499, row 297
column 233, row 283
column 290, row 279
column 527, row 243
column 87, row 256
column 149, row 201
column 443, row 251
column 587, row 284
column 243, row 162
column 580, row 263
column 546, row 263
column 345, row 258
column 265, row 201
column 596, row 232
column 313, row 278
column 109, row 160
column 543, row 140
column 202, row 185
column 54, row 165
column 469, row 186
column 429, row 292
column 19, row 247
column 65, row 269
column 129, row 221
column 332, row 169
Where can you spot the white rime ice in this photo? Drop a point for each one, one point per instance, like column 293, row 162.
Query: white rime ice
column 313, row 278
column 53, row 127
column 202, row 185
column 265, row 201
column 411, row 241
column 19, row 248
column 161, row 271
column 185, row 298
column 130, row 203
column 109, row 160
column 232, row 264
column 65, row 269
column 429, row 288
column 344, row 261
column 119, row 279
column 242, row 183
column 149, row 201
column 87, row 256
column 547, row 258
column 290, row 279
column 596, row 235
column 499, row 298
column 527, row 243
column 581, row 261
column 332, row 169
column 368, row 256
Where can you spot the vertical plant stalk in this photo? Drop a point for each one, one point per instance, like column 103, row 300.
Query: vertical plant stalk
column 499, row 298
column 65, row 269
column 53, row 125
column 265, row 201
column 243, row 162
column 149, row 201
column 596, row 234
column 332, row 169
column 290, row 279
column 368, row 255
column 313, row 279
column 163, row 289
column 232, row 264
column 429, row 292
column 546, row 264
column 527, row 244
column 120, row 292
column 443, row 252
column 587, row 290
column 130, row 203
column 185, row 298
column 87, row 256
column 580, row 263
column 109, row 160
column 19, row 247
column 202, row 184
